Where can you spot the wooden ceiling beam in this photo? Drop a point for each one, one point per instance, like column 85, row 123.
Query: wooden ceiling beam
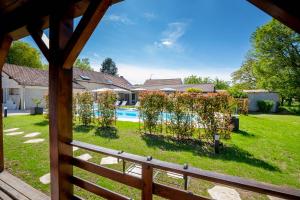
column 37, row 36
column 285, row 11
column 5, row 43
column 84, row 30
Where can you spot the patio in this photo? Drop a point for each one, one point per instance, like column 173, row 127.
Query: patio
column 12, row 188
column 18, row 21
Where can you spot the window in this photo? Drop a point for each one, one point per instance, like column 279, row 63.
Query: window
column 86, row 78
column 13, row 91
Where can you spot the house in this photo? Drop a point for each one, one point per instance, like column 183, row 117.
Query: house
column 169, row 86
column 259, row 95
column 23, row 84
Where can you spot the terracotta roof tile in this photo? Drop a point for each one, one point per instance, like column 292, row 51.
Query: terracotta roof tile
column 152, row 82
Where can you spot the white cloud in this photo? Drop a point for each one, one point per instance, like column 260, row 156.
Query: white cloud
column 171, row 36
column 119, row 19
column 149, row 16
column 137, row 74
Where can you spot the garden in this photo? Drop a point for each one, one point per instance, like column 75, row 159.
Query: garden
column 264, row 148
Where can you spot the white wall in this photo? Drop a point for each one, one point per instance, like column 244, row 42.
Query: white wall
column 9, row 83
column 34, row 93
column 257, row 96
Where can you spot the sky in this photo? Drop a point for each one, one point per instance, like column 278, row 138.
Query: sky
column 173, row 38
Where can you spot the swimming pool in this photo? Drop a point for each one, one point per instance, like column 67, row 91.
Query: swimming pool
column 124, row 114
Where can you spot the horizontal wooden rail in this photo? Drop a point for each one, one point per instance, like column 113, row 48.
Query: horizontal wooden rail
column 174, row 193
column 189, row 171
column 108, row 173
column 91, row 187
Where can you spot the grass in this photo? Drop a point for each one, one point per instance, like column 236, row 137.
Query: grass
column 265, row 149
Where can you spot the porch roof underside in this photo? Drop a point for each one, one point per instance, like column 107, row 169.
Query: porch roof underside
column 15, row 16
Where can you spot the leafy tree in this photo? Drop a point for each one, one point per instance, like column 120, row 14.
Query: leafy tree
column 277, row 50
column 274, row 63
column 244, row 77
column 193, row 79
column 83, row 63
column 23, row 54
column 109, row 67
column 219, row 84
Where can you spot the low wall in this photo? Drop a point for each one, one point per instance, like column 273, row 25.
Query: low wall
column 258, row 96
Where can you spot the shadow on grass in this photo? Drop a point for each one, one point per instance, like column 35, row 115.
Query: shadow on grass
column 42, row 123
column 83, row 128
column 228, row 153
column 107, row 132
column 244, row 133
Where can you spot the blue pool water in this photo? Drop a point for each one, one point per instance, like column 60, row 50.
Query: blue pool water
column 131, row 114
column 127, row 113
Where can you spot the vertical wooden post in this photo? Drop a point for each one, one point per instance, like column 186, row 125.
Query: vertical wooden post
column 147, row 178
column 60, row 104
column 5, row 43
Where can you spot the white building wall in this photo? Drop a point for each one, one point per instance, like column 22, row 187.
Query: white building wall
column 34, row 93
column 258, row 96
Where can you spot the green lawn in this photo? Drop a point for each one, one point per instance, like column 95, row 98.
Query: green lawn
column 266, row 149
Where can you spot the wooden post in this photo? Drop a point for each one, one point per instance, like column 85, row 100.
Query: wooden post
column 5, row 43
column 60, row 104
column 147, row 178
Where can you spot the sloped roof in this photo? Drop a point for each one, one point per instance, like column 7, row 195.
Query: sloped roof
column 180, row 87
column 153, row 82
column 101, row 78
column 36, row 77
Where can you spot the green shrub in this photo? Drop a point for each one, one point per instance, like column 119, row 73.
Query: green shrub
column 236, row 93
column 194, row 90
column 107, row 108
column 265, row 106
column 180, row 109
column 85, row 108
column 214, row 114
column 152, row 104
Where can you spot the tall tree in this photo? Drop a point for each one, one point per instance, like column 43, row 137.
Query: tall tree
column 109, row 67
column 275, row 62
column 219, row 84
column 244, row 77
column 22, row 53
column 193, row 79
column 83, row 63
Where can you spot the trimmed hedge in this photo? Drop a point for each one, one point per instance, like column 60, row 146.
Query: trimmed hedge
column 265, row 106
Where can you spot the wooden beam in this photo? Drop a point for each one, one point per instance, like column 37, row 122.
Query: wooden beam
column 147, row 178
column 84, row 30
column 286, row 11
column 5, row 43
column 60, row 104
column 37, row 36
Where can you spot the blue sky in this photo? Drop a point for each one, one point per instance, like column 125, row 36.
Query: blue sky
column 173, row 38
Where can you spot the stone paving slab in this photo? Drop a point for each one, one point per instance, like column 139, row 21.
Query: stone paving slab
column 109, row 161
column 32, row 134
column 224, row 193
column 75, row 148
column 135, row 170
column 84, row 157
column 10, row 130
column 46, row 179
column 34, row 141
column 14, row 133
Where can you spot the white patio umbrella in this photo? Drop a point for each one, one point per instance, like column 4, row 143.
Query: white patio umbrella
column 120, row 90
column 168, row 89
column 102, row 90
column 139, row 89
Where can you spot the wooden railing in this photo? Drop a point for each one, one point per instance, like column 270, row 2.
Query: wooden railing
column 149, row 187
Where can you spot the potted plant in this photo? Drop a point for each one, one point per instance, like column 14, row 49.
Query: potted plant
column 37, row 110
